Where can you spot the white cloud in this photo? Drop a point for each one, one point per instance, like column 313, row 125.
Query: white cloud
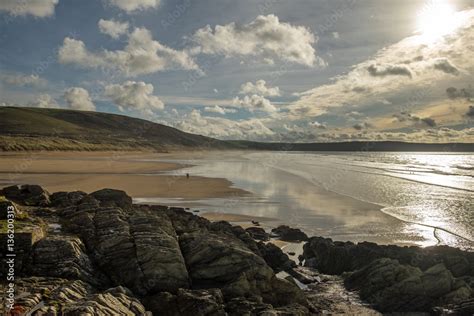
column 219, row 110
column 79, row 99
column 44, row 101
column 142, row 55
column 319, row 125
column 134, row 5
column 133, row 95
column 38, row 8
column 265, row 37
column 259, row 88
column 408, row 68
column 255, row 103
column 18, row 79
column 113, row 28
column 223, row 128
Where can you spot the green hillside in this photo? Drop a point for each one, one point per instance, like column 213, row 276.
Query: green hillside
column 58, row 129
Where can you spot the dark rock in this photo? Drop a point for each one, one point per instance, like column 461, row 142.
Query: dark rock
column 465, row 308
column 223, row 261
column 52, row 296
column 275, row 257
column 258, row 233
column 287, row 233
column 187, row 302
column 29, row 195
column 246, row 306
column 393, row 287
column 64, row 199
column 63, row 257
column 333, row 257
column 7, row 207
column 113, row 198
column 139, row 251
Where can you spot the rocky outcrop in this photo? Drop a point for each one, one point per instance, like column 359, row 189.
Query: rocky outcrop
column 218, row 260
column 287, row 233
column 65, row 199
column 112, row 198
column 391, row 286
column 275, row 257
column 139, row 250
column 53, row 296
column 63, row 257
column 187, row 302
column 333, row 257
column 29, row 195
column 258, row 233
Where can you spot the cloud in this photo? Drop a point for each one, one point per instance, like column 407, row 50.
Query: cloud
column 454, row 93
column 219, row 110
column 470, row 111
column 38, row 8
column 405, row 116
column 259, row 88
column 265, row 37
column 142, row 55
column 79, row 99
column 113, row 28
column 318, row 125
column 134, row 5
column 133, row 95
column 223, row 128
column 389, row 70
column 362, row 126
column 44, row 101
column 444, row 65
column 255, row 103
column 385, row 74
column 22, row 80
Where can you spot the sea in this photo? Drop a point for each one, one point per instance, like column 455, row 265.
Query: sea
column 419, row 199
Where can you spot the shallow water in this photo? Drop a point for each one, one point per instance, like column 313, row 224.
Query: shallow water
column 403, row 198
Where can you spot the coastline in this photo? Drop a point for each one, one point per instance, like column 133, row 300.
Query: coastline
column 138, row 173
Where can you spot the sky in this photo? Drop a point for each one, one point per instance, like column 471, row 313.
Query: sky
column 265, row 70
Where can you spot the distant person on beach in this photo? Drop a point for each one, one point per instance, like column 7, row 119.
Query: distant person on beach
column 187, row 175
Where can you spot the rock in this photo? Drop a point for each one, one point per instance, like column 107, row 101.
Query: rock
column 52, row 296
column 64, row 199
column 246, row 306
column 465, row 308
column 393, row 287
column 332, row 257
column 187, row 302
column 223, row 261
column 138, row 250
column 258, row 233
column 7, row 207
column 275, row 257
column 290, row 234
column 29, row 195
column 63, row 257
column 113, row 198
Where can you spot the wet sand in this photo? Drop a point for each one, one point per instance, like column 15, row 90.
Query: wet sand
column 131, row 172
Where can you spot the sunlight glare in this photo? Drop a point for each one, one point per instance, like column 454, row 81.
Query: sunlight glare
column 436, row 19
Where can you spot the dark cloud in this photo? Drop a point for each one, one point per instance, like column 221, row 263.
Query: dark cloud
column 444, row 65
column 362, row 126
column 389, row 70
column 408, row 117
column 470, row 111
column 454, row 93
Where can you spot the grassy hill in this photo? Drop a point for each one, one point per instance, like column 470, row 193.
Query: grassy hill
column 58, row 129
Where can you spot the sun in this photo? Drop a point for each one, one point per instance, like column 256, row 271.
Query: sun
column 436, row 19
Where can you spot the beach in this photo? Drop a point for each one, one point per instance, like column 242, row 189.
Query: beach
column 130, row 172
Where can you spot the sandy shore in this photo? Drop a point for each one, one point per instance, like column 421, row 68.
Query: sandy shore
column 131, row 172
